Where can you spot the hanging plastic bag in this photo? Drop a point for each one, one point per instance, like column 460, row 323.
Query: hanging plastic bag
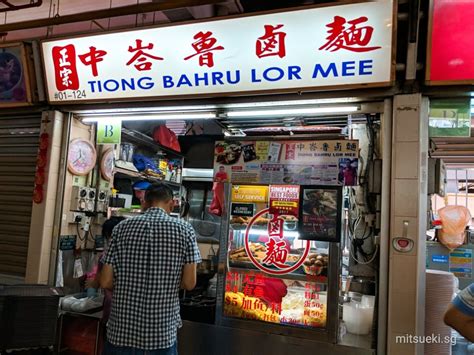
column 217, row 203
column 166, row 137
column 454, row 220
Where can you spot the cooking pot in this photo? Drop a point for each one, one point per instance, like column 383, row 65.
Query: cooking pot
column 363, row 285
column 206, row 266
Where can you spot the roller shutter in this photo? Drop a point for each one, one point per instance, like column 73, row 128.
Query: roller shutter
column 19, row 139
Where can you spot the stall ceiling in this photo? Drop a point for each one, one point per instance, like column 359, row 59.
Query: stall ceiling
column 455, row 151
column 44, row 18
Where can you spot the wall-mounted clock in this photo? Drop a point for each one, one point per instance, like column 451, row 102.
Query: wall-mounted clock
column 107, row 165
column 82, row 157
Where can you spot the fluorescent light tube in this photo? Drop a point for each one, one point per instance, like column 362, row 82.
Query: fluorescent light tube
column 339, row 101
column 146, row 110
column 294, row 111
column 177, row 116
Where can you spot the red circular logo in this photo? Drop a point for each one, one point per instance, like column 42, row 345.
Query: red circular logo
column 280, row 270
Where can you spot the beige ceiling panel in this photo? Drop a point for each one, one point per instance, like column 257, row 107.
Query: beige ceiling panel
column 33, row 13
column 26, row 34
column 77, row 27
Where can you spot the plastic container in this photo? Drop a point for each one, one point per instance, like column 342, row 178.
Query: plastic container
column 368, row 301
column 358, row 319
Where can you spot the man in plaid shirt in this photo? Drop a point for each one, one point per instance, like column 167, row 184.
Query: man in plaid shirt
column 150, row 257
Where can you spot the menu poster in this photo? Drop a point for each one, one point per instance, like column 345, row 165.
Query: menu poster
column 284, row 200
column 320, row 213
column 249, row 194
column 257, row 296
column 242, row 209
column 274, row 152
column 332, row 162
column 262, row 148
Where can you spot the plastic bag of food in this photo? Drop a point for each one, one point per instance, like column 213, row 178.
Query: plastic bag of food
column 217, row 203
column 454, row 220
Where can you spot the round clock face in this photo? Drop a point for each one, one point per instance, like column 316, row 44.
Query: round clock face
column 107, row 165
column 82, row 157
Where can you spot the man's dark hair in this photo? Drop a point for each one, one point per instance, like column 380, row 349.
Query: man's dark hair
column 158, row 192
column 109, row 226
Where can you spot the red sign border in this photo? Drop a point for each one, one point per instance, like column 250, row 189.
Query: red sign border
column 260, row 266
column 429, row 42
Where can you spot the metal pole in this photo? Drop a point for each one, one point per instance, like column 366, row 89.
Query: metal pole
column 385, row 227
column 66, row 131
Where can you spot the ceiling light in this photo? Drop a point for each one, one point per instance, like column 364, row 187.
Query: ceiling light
column 293, row 111
column 145, row 110
column 342, row 100
column 175, row 116
column 150, row 110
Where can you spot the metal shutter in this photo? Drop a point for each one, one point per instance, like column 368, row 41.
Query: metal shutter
column 19, row 139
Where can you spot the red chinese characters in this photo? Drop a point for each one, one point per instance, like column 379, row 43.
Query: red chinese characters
column 276, row 253
column 64, row 60
column 290, row 152
column 93, row 57
column 141, row 59
column 204, row 47
column 349, row 35
column 272, row 43
column 275, row 227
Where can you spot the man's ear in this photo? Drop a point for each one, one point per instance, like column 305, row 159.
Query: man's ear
column 145, row 205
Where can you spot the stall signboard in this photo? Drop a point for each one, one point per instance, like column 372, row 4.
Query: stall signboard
column 318, row 47
column 460, row 262
column 450, row 118
column 253, row 194
column 320, row 213
column 333, row 162
column 15, row 76
column 242, row 209
column 67, row 242
column 109, row 131
column 284, row 200
column 451, row 33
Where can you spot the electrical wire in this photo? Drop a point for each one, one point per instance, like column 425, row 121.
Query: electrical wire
column 79, row 232
column 365, row 262
column 84, row 237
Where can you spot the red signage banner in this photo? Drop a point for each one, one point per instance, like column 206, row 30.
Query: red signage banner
column 450, row 54
column 284, row 200
column 64, row 59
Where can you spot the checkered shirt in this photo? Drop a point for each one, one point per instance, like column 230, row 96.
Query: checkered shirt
column 147, row 254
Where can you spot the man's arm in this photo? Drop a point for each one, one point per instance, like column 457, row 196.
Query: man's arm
column 107, row 277
column 188, row 278
column 191, row 258
column 463, row 324
column 460, row 314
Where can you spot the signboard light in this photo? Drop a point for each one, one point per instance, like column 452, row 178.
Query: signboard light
column 176, row 116
column 294, row 111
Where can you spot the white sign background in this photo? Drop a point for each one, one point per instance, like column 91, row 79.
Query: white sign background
column 306, row 32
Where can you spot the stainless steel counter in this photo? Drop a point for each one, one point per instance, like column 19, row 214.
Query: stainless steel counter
column 206, row 339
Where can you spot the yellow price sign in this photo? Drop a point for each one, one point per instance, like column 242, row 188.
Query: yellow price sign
column 247, row 193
